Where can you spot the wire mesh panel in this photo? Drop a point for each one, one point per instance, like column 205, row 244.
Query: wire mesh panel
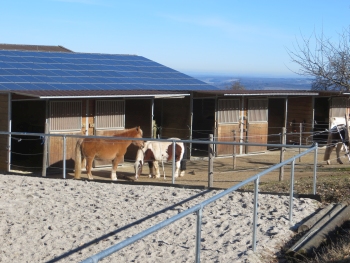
column 65, row 115
column 110, row 114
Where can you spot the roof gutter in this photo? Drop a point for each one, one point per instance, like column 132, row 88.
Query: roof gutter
column 156, row 96
column 273, row 94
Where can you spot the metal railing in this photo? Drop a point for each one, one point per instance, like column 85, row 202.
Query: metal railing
column 199, row 208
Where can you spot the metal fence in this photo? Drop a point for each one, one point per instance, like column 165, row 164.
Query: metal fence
column 199, row 207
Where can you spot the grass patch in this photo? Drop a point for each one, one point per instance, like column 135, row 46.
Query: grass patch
column 333, row 186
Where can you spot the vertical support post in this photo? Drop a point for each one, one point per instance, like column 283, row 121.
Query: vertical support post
column 291, row 193
column 43, row 173
column 255, row 215
column 173, row 163
column 300, row 138
column 210, row 162
column 283, row 141
column 9, row 138
column 64, row 155
column 234, row 150
column 315, row 168
column 198, row 236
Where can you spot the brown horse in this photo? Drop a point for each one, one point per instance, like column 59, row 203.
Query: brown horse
column 109, row 149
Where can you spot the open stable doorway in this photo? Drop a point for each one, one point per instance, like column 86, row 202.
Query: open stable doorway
column 203, row 124
column 27, row 151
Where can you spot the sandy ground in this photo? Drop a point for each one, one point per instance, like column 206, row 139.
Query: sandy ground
column 65, row 220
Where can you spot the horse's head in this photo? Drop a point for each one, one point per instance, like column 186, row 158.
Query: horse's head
column 139, row 134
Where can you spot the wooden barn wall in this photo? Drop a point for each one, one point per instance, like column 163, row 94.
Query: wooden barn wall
column 300, row 110
column 176, row 118
column 256, row 132
column 4, row 126
column 55, row 145
column 226, row 134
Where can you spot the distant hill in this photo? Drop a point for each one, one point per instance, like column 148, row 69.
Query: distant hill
column 257, row 83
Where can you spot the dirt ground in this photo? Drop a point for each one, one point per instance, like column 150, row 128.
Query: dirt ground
column 224, row 174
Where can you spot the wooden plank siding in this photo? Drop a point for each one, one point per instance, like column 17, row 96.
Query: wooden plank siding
column 257, row 124
column 72, row 111
column 300, row 110
column 55, row 146
column 257, row 133
column 4, row 126
column 225, row 134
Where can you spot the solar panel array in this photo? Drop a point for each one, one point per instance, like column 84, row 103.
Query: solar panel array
column 33, row 70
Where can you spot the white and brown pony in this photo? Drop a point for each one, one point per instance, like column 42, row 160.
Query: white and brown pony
column 154, row 152
column 338, row 137
column 109, row 149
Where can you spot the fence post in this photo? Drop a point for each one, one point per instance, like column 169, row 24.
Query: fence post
column 283, row 141
column 173, row 163
column 210, row 162
column 64, row 155
column 291, row 192
column 198, row 235
column 315, row 169
column 255, row 212
column 43, row 173
column 234, row 150
column 300, row 138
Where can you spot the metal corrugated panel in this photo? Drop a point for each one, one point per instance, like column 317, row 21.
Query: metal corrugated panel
column 110, row 114
column 65, row 115
column 257, row 110
column 228, row 111
column 338, row 106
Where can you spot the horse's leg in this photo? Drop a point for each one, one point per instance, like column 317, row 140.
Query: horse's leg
column 156, row 169
column 338, row 149
column 177, row 168
column 329, row 149
column 151, row 169
column 115, row 163
column 88, row 161
column 182, row 167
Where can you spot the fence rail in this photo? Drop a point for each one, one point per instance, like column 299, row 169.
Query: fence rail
column 199, row 208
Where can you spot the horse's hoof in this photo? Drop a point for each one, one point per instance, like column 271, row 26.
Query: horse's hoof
column 328, row 162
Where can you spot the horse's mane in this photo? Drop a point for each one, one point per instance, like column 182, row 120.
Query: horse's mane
column 128, row 132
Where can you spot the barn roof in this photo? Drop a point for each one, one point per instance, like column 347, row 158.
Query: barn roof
column 66, row 73
column 34, row 47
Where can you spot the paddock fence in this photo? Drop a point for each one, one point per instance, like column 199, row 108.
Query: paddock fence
column 197, row 209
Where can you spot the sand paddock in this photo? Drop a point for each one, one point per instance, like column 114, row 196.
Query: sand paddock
column 58, row 220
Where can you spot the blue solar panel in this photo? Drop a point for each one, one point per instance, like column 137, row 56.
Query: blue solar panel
column 32, row 70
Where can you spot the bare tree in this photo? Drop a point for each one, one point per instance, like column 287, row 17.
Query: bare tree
column 236, row 86
column 327, row 61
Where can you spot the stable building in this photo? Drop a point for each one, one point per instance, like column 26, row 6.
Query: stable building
column 64, row 92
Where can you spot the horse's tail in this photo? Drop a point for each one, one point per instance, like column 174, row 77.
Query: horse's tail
column 78, row 159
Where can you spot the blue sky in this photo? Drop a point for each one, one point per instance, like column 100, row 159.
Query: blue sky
column 231, row 37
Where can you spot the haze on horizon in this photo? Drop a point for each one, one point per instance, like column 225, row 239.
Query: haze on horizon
column 228, row 37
